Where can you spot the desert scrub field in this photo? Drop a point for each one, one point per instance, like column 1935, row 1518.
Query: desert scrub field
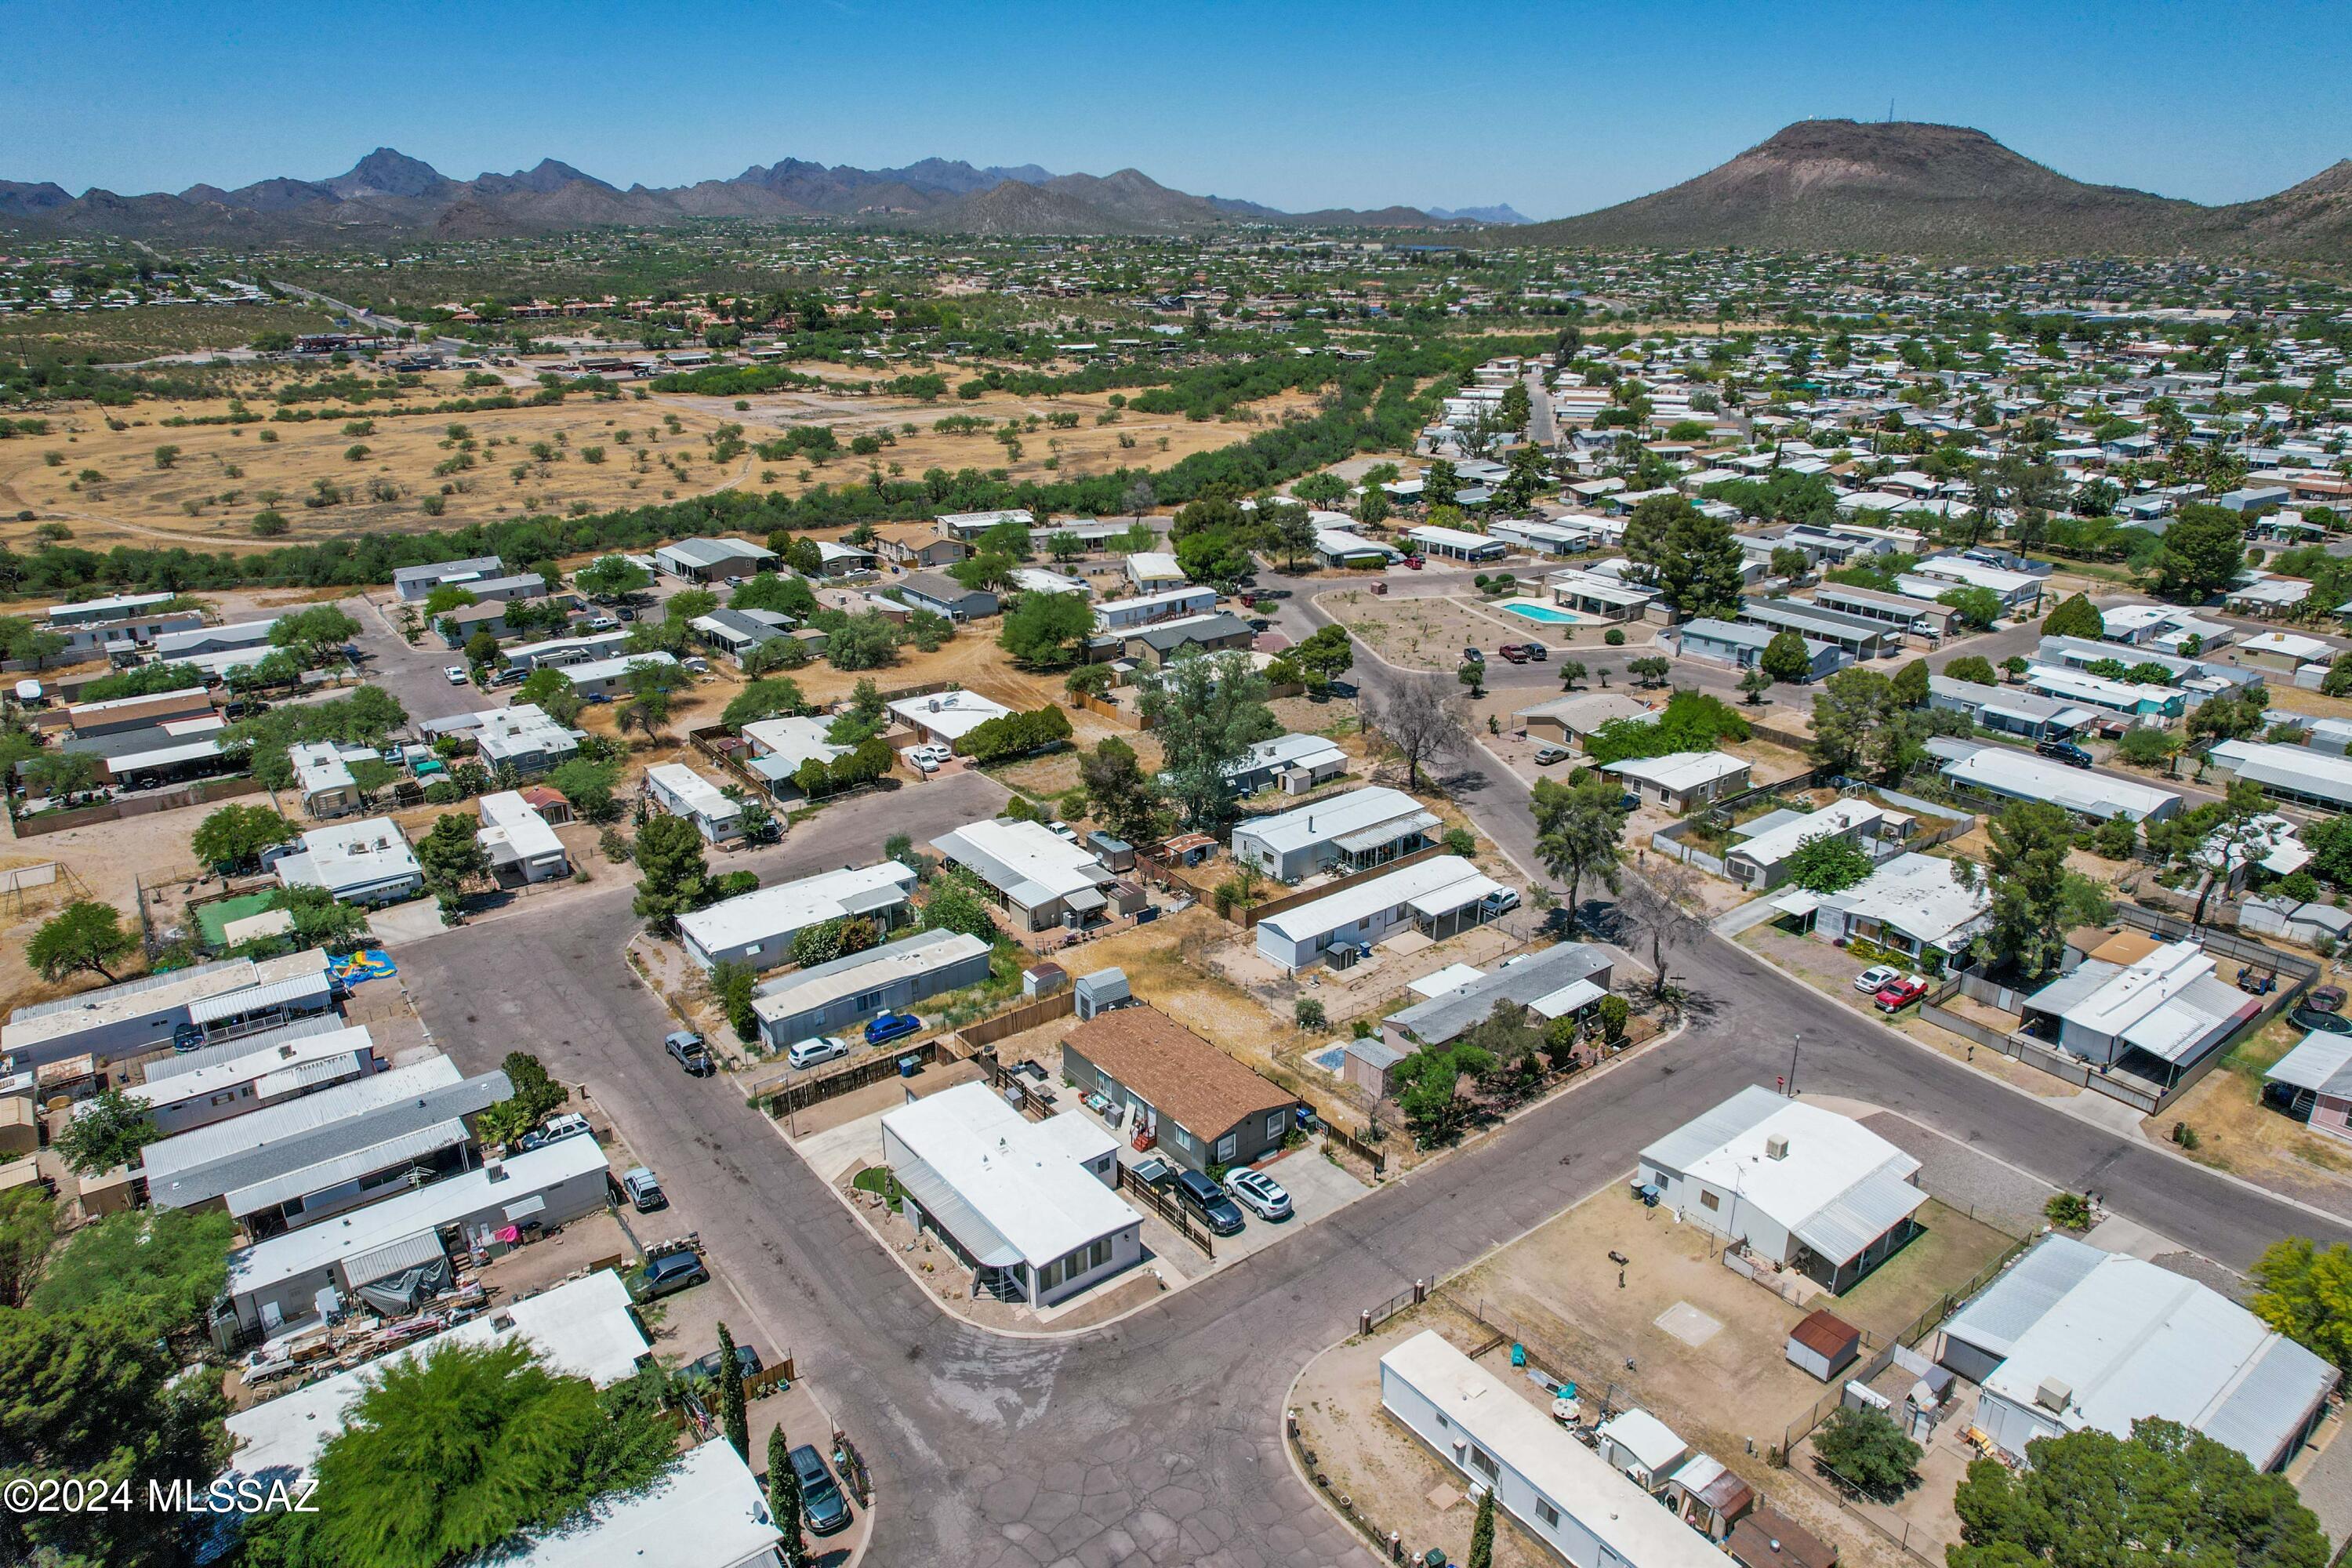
column 175, row 472
column 150, row 332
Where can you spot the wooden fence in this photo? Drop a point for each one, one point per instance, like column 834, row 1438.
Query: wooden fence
column 989, row 1030
column 1357, row 1146
column 1258, row 912
column 1168, row 1209
column 197, row 793
column 781, row 1097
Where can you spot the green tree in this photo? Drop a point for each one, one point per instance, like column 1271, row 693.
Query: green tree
column 776, row 593
column 1482, row 1529
column 445, row 597
column 1047, row 631
column 1693, row 560
column 784, row 1498
column 91, row 1397
column 2200, row 555
column 106, row 1131
column 156, row 1271
column 2162, row 1496
column 732, row 1420
column 450, row 855
column 1786, row 658
column 1429, row 1087
column 1974, row 669
column 611, row 577
column 955, row 905
column 1910, row 687
column 1828, row 863
column 1979, row 609
column 1866, row 1450
column 734, row 983
column 763, row 698
column 2305, row 1291
column 235, row 835
column 1206, row 711
column 553, row 693
column 28, row 1229
column 2026, row 863
column 448, row 1454
column 675, row 877
column 1858, row 726
column 1120, row 794
column 2144, row 747
column 1579, row 832
column 84, row 935
column 61, row 775
column 315, row 633
column 2075, row 616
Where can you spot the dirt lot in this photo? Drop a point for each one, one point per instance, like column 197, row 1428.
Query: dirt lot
column 1364, row 1459
column 2237, row 1132
column 1556, row 1286
column 644, row 451
column 1429, row 632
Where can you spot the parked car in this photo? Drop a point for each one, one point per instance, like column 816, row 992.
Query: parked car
column 1537, row 651
column 1548, row 753
column 1513, row 653
column 705, row 1368
column 643, row 1190
column 697, row 663
column 687, row 1050
column 602, row 623
column 1413, row 562
column 1208, row 1200
column 454, row 673
column 816, row 1050
column 1258, row 1193
column 821, row 1501
column 1472, row 655
column 891, row 1026
column 570, row 1124
column 1898, row 994
column 2065, row 752
column 2325, row 999
column 673, row 1272
column 1629, row 802
column 514, row 677
column 1877, row 978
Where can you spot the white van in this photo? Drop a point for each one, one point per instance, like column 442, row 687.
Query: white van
column 816, row 1049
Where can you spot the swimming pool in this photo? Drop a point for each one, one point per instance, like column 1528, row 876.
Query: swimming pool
column 1545, row 613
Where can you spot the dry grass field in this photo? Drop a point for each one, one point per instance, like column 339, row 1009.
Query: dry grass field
column 142, row 331
column 581, row 456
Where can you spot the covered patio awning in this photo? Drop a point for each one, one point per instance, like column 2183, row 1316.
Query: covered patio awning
column 1085, row 900
column 1569, row 998
column 1798, row 902
column 1386, row 833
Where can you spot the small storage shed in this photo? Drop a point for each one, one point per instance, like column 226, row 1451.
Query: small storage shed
column 1824, row 1345
column 1642, row 1445
column 1116, row 853
column 1102, row 991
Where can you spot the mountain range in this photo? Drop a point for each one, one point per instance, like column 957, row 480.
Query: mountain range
column 1948, row 191
column 1817, row 186
column 388, row 193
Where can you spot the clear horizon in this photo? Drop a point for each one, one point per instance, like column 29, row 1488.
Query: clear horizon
column 1308, row 106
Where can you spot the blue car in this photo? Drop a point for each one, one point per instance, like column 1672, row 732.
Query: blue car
column 822, row 1502
column 890, row 1026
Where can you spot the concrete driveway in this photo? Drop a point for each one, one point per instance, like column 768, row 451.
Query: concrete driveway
column 401, row 924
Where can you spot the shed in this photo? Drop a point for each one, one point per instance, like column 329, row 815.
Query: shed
column 1824, row 1345
column 1707, row 1497
column 1642, row 1445
column 1102, row 991
column 1116, row 853
column 1768, row 1540
column 1043, row 980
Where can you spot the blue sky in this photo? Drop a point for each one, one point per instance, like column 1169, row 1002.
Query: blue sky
column 1554, row 108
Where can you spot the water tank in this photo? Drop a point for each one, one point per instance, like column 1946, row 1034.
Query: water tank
column 29, row 692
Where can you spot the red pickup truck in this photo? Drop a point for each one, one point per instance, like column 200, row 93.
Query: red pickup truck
column 1513, row 652
column 1897, row 994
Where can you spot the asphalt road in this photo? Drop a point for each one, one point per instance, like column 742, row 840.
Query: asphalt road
column 1157, row 1439
column 417, row 676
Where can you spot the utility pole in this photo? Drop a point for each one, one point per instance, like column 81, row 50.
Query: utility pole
column 1795, row 1046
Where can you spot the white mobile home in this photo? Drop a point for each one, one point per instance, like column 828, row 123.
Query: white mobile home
column 1439, row 895
column 1564, row 1494
column 1351, row 832
column 757, row 927
column 677, row 790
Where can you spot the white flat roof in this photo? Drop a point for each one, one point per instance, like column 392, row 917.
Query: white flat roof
column 790, row 906
column 1014, row 857
column 1679, row 771
column 1774, row 844
column 511, row 822
column 1582, row 1484
column 799, row 992
column 2022, row 774
column 1439, row 884
column 331, row 1241
column 1154, row 566
column 1024, row 1179
column 1830, row 1164
column 954, row 714
column 354, row 854
column 581, row 1328
column 1353, row 812
column 168, row 1157
column 707, row 1509
column 1459, row 539
column 691, row 789
column 1452, row 977
column 1915, row 893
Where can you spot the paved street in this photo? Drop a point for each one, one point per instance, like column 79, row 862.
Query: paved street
column 1157, row 1439
column 415, row 675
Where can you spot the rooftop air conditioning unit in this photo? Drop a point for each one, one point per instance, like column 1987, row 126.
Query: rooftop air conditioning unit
column 494, row 1170
column 1776, row 1146
column 2055, row 1395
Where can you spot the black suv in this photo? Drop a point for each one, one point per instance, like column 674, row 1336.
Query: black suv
column 1208, row 1200
column 2065, row 752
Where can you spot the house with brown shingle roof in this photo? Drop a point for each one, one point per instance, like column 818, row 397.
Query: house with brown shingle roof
column 1206, row 1108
